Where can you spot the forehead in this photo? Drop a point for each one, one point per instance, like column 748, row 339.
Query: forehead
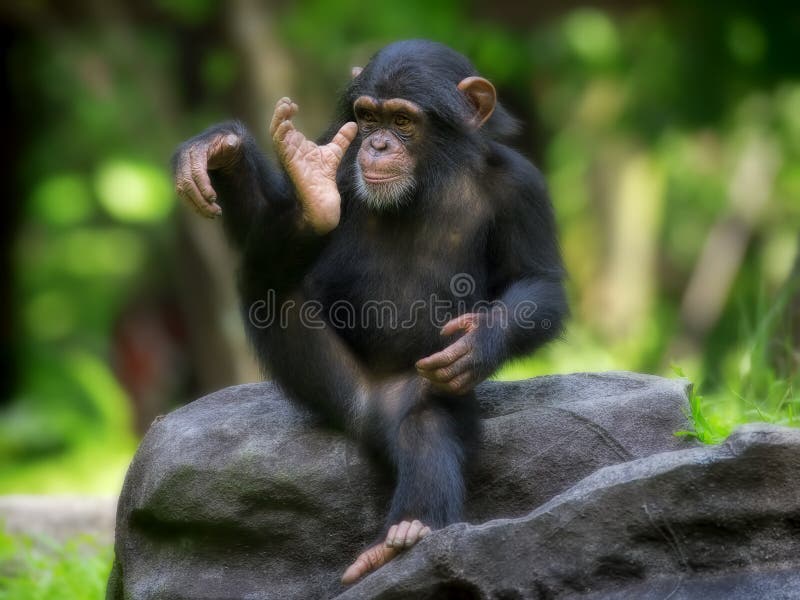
column 387, row 105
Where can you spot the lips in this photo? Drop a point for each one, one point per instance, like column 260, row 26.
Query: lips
column 380, row 178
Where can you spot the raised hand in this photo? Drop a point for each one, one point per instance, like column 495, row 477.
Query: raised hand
column 194, row 160
column 312, row 168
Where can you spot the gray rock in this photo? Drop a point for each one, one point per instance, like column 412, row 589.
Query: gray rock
column 714, row 523
column 241, row 495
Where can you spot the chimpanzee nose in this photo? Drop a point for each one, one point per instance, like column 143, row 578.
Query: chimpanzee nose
column 379, row 142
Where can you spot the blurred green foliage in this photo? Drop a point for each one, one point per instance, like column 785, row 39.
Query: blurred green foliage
column 42, row 570
column 644, row 121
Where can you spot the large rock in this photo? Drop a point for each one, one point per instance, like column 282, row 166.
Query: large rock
column 241, row 495
column 713, row 523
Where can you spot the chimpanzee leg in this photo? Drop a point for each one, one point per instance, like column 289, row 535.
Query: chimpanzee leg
column 429, row 439
column 429, row 446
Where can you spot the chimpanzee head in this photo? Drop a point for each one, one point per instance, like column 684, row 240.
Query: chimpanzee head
column 422, row 111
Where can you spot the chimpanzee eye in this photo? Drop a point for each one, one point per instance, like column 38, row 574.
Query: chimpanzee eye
column 368, row 117
column 401, row 120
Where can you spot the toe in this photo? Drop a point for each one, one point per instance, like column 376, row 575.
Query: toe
column 391, row 535
column 367, row 562
column 400, row 537
column 412, row 537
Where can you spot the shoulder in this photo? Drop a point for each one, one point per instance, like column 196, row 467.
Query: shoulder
column 522, row 240
column 513, row 182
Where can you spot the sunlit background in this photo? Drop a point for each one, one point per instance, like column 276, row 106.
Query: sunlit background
column 669, row 133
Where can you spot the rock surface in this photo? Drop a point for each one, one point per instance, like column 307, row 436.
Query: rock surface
column 241, row 495
column 713, row 523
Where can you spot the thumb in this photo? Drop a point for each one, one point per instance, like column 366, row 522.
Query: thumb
column 462, row 322
column 343, row 138
column 224, row 150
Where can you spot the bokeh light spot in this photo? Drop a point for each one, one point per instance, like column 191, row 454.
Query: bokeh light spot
column 134, row 192
column 592, row 36
column 63, row 199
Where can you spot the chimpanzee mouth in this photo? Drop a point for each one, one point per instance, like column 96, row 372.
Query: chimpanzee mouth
column 383, row 192
column 379, row 180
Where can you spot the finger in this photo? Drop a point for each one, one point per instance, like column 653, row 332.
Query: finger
column 277, row 117
column 224, row 151
column 400, row 537
column 465, row 383
column 343, row 138
column 461, row 322
column 180, row 189
column 446, row 357
column 185, row 186
column 197, row 160
column 282, row 112
column 426, row 531
column 459, row 385
column 187, row 189
column 445, row 374
column 282, row 131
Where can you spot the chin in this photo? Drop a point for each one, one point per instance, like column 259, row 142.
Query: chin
column 383, row 195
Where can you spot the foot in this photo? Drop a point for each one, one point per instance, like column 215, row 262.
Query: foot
column 311, row 168
column 400, row 537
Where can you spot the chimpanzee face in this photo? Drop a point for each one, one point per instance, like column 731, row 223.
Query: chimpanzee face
column 391, row 131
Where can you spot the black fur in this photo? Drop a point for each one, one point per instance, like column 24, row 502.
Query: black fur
column 479, row 208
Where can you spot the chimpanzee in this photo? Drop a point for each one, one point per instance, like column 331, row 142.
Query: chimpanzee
column 430, row 214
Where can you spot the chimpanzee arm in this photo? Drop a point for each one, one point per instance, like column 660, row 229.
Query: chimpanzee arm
column 535, row 311
column 222, row 171
column 281, row 220
column 257, row 198
column 526, row 285
column 278, row 218
column 528, row 273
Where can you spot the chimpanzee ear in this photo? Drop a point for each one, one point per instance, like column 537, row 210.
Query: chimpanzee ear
column 482, row 95
column 356, row 71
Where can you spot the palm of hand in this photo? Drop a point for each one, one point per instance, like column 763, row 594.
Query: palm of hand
column 311, row 168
